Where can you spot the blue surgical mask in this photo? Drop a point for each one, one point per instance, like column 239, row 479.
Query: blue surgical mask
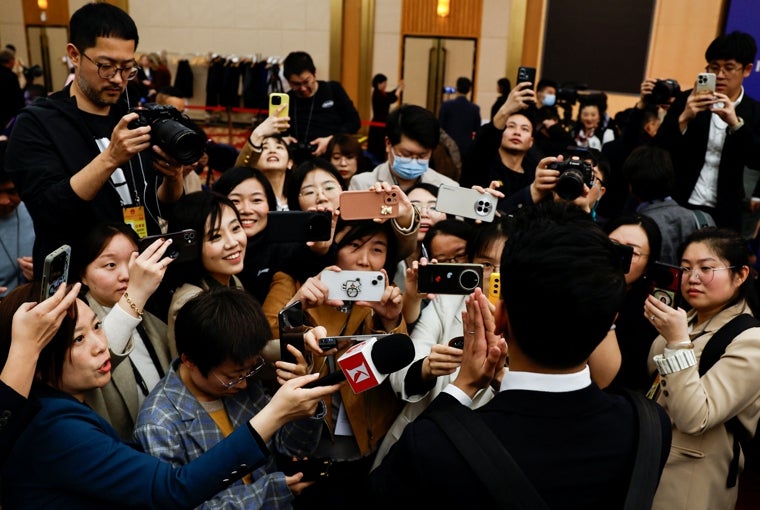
column 409, row 168
column 549, row 100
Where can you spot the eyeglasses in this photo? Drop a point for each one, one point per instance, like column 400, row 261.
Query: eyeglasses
column 417, row 157
column 329, row 190
column 230, row 384
column 705, row 274
column 108, row 71
column 460, row 258
column 727, row 69
column 425, row 207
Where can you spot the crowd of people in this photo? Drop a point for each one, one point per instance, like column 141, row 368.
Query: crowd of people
column 159, row 375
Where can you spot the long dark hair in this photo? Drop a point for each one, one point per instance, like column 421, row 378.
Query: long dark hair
column 650, row 228
column 300, row 173
column 96, row 241
column 231, row 178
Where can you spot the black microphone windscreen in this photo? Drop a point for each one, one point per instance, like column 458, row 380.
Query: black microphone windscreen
column 392, row 353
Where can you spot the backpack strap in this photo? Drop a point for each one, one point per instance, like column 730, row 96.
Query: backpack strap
column 487, row 457
column 701, row 218
column 714, row 349
column 646, row 468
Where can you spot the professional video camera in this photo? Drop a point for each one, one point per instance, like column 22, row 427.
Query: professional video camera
column 174, row 133
column 663, row 91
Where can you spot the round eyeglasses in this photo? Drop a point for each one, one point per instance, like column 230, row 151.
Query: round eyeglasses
column 108, row 71
column 705, row 274
column 230, row 384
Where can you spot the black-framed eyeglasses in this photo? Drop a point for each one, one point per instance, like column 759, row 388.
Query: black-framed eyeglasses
column 108, row 71
column 230, row 384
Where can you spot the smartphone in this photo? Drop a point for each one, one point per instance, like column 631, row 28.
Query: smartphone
column 354, row 285
column 665, row 283
column 55, row 272
column 368, row 205
column 449, row 278
column 466, row 202
column 494, row 288
column 277, row 99
column 184, row 245
column 299, row 226
column 293, row 325
column 705, row 83
column 526, row 74
column 313, row 468
column 457, row 342
column 330, row 342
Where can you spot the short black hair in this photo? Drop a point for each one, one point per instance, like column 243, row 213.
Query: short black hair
column 294, row 182
column 296, row 63
column 414, row 122
column 739, row 46
column 378, row 79
column 221, row 324
column 648, row 225
column 95, row 20
column 450, row 227
column 463, row 85
column 649, row 171
column 359, row 229
column 542, row 84
column 504, row 86
column 234, row 176
column 562, row 284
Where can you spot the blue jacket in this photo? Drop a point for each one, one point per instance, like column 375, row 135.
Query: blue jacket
column 69, row 457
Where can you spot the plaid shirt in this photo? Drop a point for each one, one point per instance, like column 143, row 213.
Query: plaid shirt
column 173, row 426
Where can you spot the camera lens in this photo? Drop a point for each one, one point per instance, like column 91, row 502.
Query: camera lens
column 570, row 185
column 276, row 100
column 179, row 142
column 469, row 279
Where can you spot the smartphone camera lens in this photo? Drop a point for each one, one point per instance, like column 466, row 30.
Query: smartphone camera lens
column 469, row 279
column 276, row 100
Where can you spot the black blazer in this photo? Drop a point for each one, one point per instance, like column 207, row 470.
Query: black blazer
column 576, row 448
column 688, row 152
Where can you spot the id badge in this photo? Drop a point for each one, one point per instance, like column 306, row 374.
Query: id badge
column 135, row 217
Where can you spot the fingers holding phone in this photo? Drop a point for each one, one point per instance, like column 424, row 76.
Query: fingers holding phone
column 670, row 322
column 286, row 371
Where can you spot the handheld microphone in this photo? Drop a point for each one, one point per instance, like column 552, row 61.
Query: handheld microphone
column 367, row 364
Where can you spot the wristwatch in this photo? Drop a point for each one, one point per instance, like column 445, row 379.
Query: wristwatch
column 675, row 362
column 737, row 127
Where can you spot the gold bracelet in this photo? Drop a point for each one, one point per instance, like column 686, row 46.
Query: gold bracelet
column 132, row 305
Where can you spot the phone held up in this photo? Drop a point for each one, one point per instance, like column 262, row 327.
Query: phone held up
column 292, row 322
column 299, row 226
column 184, row 245
column 354, row 285
column 276, row 100
column 526, row 74
column 449, row 278
column 368, row 205
column 466, row 202
column 55, row 271
column 665, row 283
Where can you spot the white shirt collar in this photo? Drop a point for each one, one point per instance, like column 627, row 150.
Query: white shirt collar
column 550, row 383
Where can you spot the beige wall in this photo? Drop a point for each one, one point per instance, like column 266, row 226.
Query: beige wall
column 12, row 27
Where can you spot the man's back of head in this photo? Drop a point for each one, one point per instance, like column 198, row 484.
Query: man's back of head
column 649, row 171
column 464, row 85
column 414, row 122
column 562, row 284
column 95, row 20
column 7, row 58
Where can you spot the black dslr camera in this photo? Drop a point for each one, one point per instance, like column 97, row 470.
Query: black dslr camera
column 573, row 174
column 663, row 91
column 302, row 151
column 174, row 133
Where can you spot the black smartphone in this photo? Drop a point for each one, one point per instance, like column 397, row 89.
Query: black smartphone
column 449, row 278
column 313, row 468
column 55, row 272
column 457, row 342
column 330, row 342
column 665, row 283
column 292, row 327
column 299, row 226
column 185, row 245
column 526, row 74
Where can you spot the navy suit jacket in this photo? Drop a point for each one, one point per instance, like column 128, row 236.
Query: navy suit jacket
column 576, row 448
column 460, row 119
column 740, row 149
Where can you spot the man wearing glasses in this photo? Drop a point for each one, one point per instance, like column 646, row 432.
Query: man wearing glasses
column 713, row 136
column 72, row 155
column 211, row 390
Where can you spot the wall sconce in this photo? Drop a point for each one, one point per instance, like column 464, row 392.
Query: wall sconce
column 42, row 4
column 442, row 9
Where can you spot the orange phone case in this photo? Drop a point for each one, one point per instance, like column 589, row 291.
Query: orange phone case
column 367, row 205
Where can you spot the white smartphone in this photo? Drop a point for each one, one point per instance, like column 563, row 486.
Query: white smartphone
column 354, row 285
column 705, row 83
column 466, row 202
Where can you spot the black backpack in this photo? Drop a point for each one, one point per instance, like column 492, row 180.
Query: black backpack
column 743, row 438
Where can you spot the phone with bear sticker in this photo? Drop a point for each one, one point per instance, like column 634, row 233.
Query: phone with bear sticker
column 466, row 202
column 354, row 285
column 276, row 100
column 449, row 278
column 665, row 283
column 368, row 205
column 55, row 271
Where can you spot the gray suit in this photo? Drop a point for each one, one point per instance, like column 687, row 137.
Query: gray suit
column 676, row 224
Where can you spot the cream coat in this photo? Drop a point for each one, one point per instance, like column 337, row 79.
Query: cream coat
column 695, row 474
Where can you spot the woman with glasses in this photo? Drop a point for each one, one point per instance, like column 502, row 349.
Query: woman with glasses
column 118, row 283
column 70, row 457
column 718, row 285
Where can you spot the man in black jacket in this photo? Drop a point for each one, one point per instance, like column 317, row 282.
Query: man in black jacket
column 561, row 286
column 712, row 137
column 73, row 156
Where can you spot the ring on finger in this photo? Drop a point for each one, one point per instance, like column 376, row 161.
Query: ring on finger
column 652, row 317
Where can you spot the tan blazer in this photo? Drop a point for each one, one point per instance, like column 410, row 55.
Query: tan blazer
column 117, row 401
column 695, row 474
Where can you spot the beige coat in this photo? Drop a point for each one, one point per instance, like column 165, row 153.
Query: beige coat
column 695, row 474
